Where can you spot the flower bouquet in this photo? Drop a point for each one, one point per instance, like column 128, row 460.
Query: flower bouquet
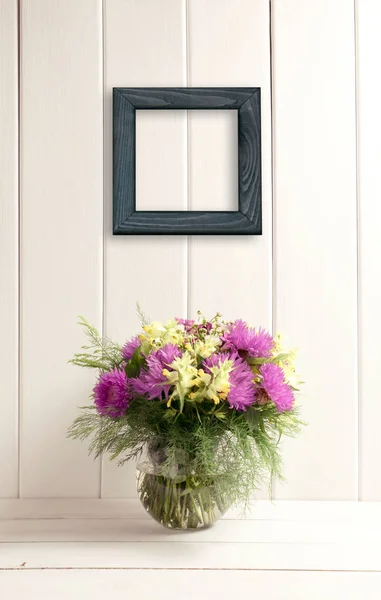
column 203, row 405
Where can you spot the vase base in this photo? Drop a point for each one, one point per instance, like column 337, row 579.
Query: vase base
column 178, row 506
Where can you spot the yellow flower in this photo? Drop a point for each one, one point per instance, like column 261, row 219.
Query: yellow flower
column 194, row 385
column 277, row 348
column 183, row 377
column 219, row 385
column 290, row 375
column 287, row 363
column 208, row 346
column 203, row 378
column 159, row 335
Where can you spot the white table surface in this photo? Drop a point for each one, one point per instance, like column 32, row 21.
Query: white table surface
column 113, row 549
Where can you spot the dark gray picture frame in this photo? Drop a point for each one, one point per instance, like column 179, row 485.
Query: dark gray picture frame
column 247, row 220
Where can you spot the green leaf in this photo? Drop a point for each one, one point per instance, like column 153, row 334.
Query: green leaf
column 252, row 417
column 280, row 358
column 220, row 415
column 257, row 361
column 135, row 364
column 131, row 370
column 170, row 413
column 274, row 359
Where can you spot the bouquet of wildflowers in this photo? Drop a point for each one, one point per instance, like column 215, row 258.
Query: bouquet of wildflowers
column 205, row 402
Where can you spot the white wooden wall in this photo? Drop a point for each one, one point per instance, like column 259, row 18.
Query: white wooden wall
column 313, row 275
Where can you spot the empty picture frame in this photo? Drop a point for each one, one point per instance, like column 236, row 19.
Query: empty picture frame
column 247, row 220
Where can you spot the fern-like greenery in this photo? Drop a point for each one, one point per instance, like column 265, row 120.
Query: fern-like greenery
column 99, row 353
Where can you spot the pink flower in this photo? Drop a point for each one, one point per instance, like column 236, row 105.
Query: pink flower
column 111, row 394
column 275, row 386
column 151, row 382
column 215, row 360
column 167, row 354
column 190, row 324
column 257, row 344
column 187, row 323
column 242, row 391
column 129, row 348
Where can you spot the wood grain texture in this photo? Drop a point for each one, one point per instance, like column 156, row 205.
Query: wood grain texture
column 61, row 245
column 204, row 585
column 247, row 220
column 187, row 98
column 315, row 237
column 189, row 222
column 249, row 159
column 369, row 223
column 124, row 158
column 149, row 270
column 8, row 249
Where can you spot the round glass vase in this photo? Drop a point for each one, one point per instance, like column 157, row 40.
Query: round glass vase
column 173, row 494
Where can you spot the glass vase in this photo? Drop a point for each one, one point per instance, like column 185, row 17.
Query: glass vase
column 174, row 494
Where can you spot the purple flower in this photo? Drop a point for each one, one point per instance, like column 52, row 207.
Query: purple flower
column 242, row 390
column 246, row 339
column 151, row 382
column 129, row 348
column 111, row 395
column 214, row 360
column 167, row 354
column 188, row 323
column 275, row 386
column 207, row 325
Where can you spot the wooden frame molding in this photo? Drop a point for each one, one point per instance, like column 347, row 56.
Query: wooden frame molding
column 247, row 220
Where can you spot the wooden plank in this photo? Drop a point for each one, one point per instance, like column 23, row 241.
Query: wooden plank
column 69, row 508
column 141, row 529
column 61, row 246
column 204, row 585
column 315, row 236
column 281, row 510
column 369, row 188
column 165, row 168
column 9, row 249
column 229, row 45
column 215, row 147
column 149, row 270
column 192, row 555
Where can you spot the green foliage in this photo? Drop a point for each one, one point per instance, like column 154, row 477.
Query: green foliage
column 99, row 353
column 135, row 364
column 228, row 452
column 237, row 452
column 142, row 316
